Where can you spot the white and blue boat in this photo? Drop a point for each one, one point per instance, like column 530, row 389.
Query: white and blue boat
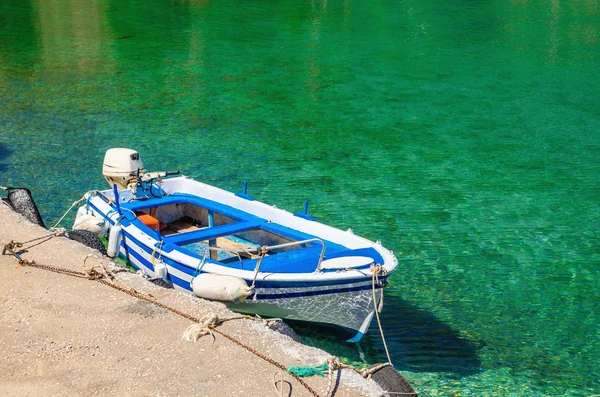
column 258, row 258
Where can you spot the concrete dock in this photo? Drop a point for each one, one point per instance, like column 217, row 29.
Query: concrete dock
column 63, row 335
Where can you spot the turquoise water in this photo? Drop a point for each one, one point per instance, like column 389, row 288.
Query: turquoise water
column 463, row 135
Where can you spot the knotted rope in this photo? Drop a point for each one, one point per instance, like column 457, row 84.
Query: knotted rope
column 12, row 245
column 261, row 255
column 206, row 325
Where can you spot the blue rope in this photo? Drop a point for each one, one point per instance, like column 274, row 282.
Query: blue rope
column 308, row 371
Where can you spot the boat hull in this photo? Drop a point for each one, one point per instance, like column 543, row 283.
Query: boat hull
column 350, row 312
column 348, row 306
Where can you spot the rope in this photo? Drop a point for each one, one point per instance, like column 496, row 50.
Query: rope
column 367, row 372
column 160, row 243
column 263, row 252
column 70, row 208
column 206, row 323
column 10, row 246
column 377, row 270
column 332, row 365
column 308, row 370
column 92, row 274
column 267, row 359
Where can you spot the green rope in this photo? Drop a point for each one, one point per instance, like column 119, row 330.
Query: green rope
column 308, row 371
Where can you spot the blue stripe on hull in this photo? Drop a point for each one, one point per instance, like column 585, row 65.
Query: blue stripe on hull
column 259, row 296
column 311, row 293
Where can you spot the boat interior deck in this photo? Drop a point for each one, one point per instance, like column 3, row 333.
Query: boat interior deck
column 191, row 224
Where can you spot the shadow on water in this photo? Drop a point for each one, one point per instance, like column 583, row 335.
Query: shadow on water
column 417, row 340
column 4, row 152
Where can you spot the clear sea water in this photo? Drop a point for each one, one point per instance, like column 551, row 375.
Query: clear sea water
column 465, row 135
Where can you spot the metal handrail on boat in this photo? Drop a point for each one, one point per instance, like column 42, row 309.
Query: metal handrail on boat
column 266, row 248
column 98, row 193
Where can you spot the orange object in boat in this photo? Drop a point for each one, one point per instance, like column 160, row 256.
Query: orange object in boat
column 150, row 221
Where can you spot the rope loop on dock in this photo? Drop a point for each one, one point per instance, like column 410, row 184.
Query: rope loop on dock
column 12, row 246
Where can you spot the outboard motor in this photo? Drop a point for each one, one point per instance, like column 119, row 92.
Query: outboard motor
column 121, row 167
column 124, row 168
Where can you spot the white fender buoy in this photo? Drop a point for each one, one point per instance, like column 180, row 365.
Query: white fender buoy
column 88, row 220
column 220, row 288
column 114, row 241
column 160, row 270
column 81, row 212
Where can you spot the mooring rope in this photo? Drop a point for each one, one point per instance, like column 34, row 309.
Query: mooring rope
column 262, row 254
column 92, row 274
column 65, row 214
column 332, row 364
column 10, row 246
column 377, row 270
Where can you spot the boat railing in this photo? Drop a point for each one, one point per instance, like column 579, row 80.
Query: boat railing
column 261, row 251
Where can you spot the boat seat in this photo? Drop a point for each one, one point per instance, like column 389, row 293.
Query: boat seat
column 212, row 232
column 150, row 221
